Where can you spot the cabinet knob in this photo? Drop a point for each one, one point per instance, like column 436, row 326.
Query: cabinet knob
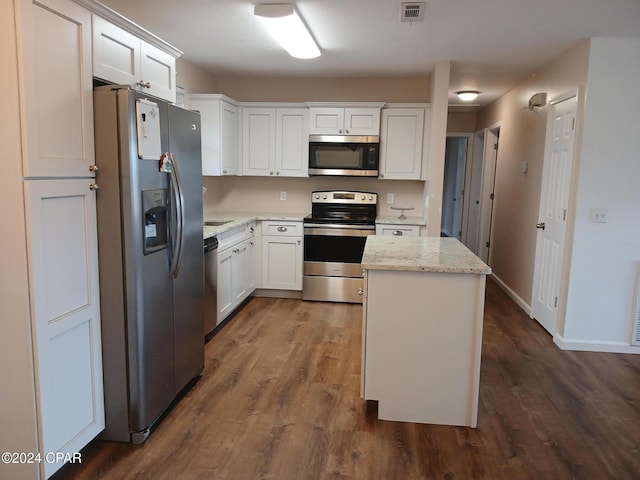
column 143, row 84
column 299, row 242
column 340, row 132
column 94, row 186
column 93, row 168
column 381, row 175
column 361, row 291
column 277, row 173
column 224, row 172
column 282, row 229
column 347, row 132
column 397, row 233
column 270, row 173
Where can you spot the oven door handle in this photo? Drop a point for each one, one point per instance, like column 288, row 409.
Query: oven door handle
column 338, row 232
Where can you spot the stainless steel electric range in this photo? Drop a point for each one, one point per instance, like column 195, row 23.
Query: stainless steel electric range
column 334, row 238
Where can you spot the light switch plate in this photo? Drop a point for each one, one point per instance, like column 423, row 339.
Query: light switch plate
column 390, row 198
column 283, row 195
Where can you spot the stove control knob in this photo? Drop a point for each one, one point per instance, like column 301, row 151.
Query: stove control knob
column 362, row 198
column 370, row 198
column 317, row 196
column 324, row 197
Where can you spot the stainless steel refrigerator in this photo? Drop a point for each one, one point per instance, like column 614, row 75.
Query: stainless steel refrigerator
column 150, row 248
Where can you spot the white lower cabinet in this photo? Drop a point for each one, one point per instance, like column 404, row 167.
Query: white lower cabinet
column 236, row 268
column 66, row 314
column 398, row 230
column 282, row 255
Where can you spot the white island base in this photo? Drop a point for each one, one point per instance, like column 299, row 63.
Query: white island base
column 422, row 338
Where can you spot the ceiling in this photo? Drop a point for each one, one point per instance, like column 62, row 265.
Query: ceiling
column 492, row 44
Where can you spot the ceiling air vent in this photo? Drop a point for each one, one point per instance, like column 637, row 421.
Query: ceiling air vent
column 412, row 11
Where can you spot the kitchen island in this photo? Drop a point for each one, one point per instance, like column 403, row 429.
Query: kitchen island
column 422, row 329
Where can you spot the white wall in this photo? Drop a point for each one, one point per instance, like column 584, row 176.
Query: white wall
column 601, row 283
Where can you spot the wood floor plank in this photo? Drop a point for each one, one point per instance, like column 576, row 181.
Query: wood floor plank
column 279, row 399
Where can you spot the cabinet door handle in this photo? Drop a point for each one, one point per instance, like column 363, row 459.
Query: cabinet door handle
column 397, row 233
column 282, row 229
column 361, row 291
column 93, row 168
column 94, row 186
column 299, row 242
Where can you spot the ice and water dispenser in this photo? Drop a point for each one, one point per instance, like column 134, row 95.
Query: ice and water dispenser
column 155, row 205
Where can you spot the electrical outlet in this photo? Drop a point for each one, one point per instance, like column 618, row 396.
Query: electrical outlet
column 283, row 195
column 599, row 215
column 390, row 198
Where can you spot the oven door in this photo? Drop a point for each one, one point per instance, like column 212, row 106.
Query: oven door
column 332, row 256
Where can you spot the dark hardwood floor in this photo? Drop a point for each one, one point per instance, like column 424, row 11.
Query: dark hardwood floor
column 279, row 399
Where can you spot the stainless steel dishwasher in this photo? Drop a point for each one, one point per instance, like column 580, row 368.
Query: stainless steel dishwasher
column 210, row 284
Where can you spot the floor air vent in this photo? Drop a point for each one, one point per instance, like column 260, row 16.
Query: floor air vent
column 412, row 12
column 635, row 335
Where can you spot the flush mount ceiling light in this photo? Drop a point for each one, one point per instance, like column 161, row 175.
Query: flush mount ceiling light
column 467, row 95
column 286, row 26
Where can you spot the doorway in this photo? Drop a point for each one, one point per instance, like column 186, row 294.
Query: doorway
column 453, row 191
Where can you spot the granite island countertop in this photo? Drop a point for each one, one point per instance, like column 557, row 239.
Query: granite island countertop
column 236, row 219
column 421, row 254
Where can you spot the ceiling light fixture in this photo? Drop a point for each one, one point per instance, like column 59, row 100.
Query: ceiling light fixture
column 286, row 26
column 467, row 95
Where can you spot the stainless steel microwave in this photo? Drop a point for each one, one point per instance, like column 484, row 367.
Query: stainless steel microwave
column 344, row 155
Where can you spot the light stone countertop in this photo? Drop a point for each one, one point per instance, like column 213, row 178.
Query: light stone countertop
column 237, row 219
column 421, row 254
column 394, row 220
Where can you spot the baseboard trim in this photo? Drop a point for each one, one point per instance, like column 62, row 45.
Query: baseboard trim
column 514, row 296
column 593, row 345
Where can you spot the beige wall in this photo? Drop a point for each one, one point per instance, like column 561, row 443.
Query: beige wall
column 18, row 415
column 462, row 122
column 262, row 194
column 383, row 89
column 194, row 79
column 522, row 138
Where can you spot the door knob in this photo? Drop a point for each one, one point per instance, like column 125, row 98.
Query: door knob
column 540, row 225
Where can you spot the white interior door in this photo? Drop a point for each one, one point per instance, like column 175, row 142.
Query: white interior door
column 471, row 215
column 554, row 199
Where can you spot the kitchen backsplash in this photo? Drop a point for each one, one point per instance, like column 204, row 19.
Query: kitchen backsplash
column 260, row 194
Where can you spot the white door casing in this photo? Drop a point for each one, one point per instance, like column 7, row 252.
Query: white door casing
column 490, row 161
column 471, row 219
column 554, row 200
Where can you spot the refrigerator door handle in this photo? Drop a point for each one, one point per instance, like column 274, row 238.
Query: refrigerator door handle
column 176, row 188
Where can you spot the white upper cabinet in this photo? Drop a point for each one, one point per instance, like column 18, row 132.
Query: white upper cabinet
column 344, row 120
column 58, row 90
column 122, row 58
column 292, row 142
column 275, row 141
column 220, row 140
column 401, row 143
